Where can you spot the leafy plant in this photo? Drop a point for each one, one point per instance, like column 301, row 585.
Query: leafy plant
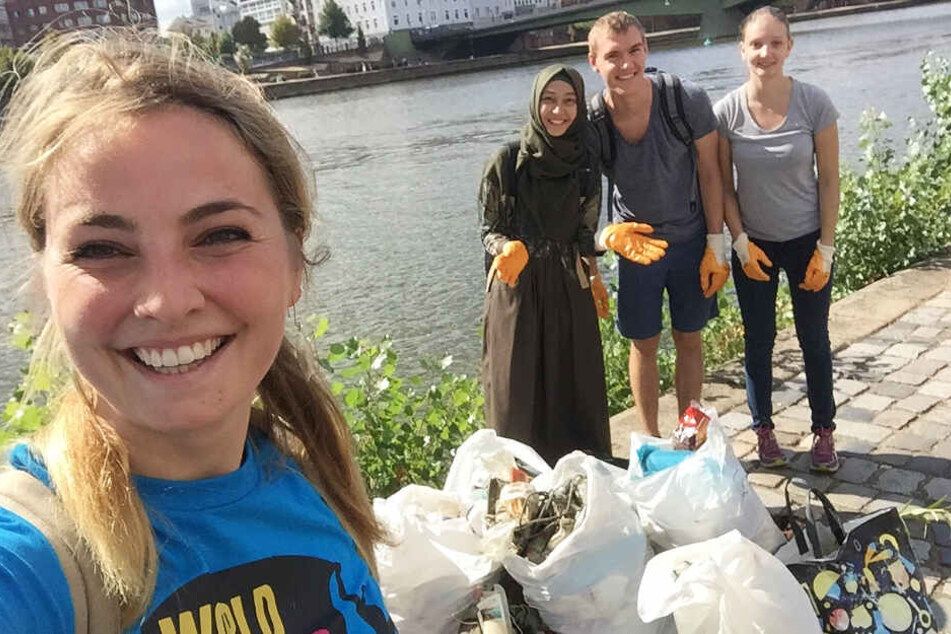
column 898, row 212
column 406, row 428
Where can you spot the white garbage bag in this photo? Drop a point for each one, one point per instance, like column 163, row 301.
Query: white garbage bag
column 485, row 455
column 589, row 582
column 704, row 496
column 436, row 562
column 727, row 585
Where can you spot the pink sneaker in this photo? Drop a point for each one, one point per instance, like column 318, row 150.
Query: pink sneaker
column 824, row 457
column 770, row 455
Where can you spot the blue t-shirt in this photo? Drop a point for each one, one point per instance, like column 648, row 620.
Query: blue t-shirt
column 655, row 179
column 254, row 551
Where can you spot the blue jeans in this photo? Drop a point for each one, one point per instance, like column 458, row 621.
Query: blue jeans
column 811, row 313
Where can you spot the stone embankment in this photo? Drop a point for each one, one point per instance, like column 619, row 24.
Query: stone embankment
column 892, row 365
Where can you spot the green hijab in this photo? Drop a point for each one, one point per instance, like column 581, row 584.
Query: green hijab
column 549, row 188
column 547, row 156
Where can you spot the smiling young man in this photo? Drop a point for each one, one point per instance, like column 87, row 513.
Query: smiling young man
column 674, row 187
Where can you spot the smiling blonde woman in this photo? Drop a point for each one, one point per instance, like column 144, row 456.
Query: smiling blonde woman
column 168, row 211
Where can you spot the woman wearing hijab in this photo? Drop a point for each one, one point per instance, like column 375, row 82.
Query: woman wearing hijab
column 542, row 366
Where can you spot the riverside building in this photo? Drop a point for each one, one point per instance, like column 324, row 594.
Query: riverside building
column 27, row 18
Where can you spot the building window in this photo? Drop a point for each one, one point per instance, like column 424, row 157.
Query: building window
column 80, row 4
column 103, row 18
column 457, row 14
column 396, row 20
column 16, row 13
column 465, row 12
column 61, row 7
column 42, row 9
column 408, row 21
column 447, row 15
column 30, row 12
column 372, row 6
column 364, row 6
column 420, row 18
column 477, row 11
column 84, row 20
column 100, row 4
column 432, row 16
column 374, row 23
column 68, row 22
column 33, row 28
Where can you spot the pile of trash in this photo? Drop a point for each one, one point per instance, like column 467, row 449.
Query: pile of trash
column 511, row 544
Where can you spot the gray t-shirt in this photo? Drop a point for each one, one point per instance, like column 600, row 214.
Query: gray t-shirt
column 655, row 180
column 776, row 181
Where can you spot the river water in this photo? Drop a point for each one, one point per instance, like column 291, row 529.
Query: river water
column 398, row 168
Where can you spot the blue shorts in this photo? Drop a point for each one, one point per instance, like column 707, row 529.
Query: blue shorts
column 641, row 291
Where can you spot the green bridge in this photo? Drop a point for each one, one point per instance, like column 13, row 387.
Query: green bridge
column 718, row 19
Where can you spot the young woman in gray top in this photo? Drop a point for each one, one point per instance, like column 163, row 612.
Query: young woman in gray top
column 781, row 136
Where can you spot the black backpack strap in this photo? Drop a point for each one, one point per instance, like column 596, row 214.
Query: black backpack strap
column 671, row 92
column 601, row 122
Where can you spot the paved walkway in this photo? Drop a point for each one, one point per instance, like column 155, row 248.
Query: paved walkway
column 892, row 364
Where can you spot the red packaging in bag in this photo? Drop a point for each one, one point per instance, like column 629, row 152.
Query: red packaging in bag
column 691, row 430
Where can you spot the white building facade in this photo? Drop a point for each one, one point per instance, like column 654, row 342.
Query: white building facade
column 379, row 17
column 265, row 11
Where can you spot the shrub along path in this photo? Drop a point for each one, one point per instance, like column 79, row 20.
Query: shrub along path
column 892, row 364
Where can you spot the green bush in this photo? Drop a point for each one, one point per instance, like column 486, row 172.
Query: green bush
column 897, row 213
column 406, row 428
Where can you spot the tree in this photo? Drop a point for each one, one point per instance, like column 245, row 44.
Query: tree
column 284, row 33
column 226, row 45
column 361, row 40
column 334, row 23
column 248, row 32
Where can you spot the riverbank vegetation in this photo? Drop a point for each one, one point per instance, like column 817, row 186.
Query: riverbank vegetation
column 895, row 211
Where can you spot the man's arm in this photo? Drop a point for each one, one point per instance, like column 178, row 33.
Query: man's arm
column 731, row 206
column 711, row 186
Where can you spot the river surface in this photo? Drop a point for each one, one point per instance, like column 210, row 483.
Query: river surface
column 398, row 168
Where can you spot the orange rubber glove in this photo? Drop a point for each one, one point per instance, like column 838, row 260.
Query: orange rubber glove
column 508, row 265
column 819, row 269
column 600, row 294
column 751, row 257
column 629, row 240
column 713, row 267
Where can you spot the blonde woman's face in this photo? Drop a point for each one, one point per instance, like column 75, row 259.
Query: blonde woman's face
column 765, row 46
column 169, row 274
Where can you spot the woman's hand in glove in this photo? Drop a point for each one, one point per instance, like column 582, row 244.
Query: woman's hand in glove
column 819, row 269
column 751, row 257
column 508, row 265
column 600, row 295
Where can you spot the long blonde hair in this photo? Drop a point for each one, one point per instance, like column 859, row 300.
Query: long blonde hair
column 79, row 81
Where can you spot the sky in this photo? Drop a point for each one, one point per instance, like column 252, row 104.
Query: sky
column 168, row 10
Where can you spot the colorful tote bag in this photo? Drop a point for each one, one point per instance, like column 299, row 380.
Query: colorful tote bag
column 871, row 584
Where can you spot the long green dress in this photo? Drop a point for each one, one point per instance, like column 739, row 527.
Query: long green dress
column 543, row 370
